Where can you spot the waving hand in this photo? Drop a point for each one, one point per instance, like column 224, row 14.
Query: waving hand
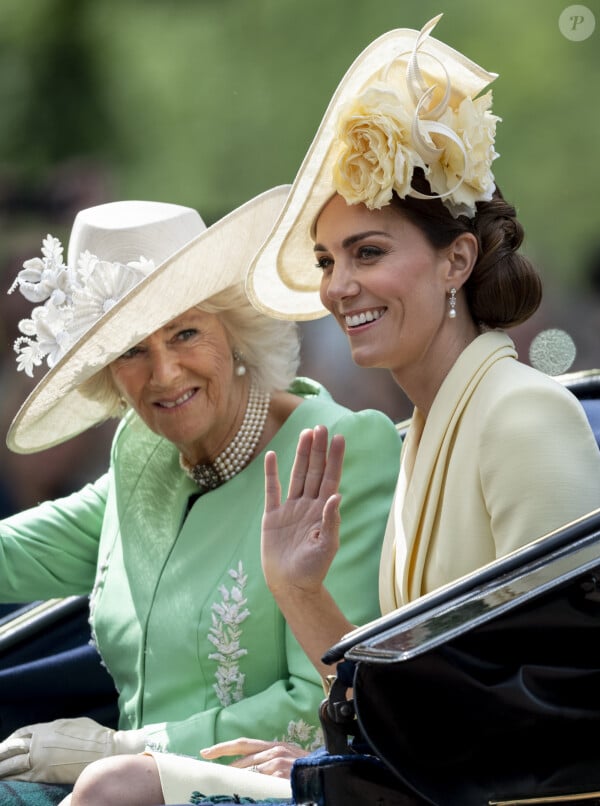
column 300, row 537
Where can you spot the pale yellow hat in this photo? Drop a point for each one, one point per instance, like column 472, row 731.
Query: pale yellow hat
column 132, row 267
column 418, row 94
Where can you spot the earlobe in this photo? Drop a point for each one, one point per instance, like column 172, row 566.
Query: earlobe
column 462, row 256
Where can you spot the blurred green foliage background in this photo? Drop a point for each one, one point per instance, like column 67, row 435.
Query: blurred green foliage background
column 209, row 102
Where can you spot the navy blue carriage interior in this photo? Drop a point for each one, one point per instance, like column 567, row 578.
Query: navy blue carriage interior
column 485, row 692
column 48, row 667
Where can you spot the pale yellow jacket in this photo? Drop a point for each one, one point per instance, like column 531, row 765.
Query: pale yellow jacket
column 505, row 456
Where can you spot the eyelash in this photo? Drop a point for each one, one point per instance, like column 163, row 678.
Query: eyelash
column 131, row 353
column 186, row 333
column 370, row 252
column 181, row 335
column 363, row 253
column 320, row 264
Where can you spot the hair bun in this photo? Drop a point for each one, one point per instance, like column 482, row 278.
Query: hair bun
column 504, row 288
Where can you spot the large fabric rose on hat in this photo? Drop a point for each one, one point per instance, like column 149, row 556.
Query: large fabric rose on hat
column 473, row 122
column 376, row 155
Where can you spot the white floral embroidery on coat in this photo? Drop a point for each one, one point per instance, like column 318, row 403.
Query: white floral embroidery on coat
column 299, row 732
column 225, row 634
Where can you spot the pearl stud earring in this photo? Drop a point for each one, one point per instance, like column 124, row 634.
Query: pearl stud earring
column 240, row 369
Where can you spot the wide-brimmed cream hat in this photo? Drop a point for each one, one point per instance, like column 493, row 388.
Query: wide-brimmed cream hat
column 427, row 81
column 132, row 267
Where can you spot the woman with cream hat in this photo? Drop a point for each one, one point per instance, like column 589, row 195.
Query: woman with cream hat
column 148, row 319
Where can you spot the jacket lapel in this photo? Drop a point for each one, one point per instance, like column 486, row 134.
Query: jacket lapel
column 425, row 457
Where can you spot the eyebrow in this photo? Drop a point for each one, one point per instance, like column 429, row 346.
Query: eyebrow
column 352, row 239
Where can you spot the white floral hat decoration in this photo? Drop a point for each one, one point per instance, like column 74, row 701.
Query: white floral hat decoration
column 132, row 267
column 408, row 101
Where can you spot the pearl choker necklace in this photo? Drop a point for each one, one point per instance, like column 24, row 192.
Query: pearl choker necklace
column 238, row 453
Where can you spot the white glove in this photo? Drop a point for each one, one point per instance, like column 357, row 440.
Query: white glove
column 56, row 752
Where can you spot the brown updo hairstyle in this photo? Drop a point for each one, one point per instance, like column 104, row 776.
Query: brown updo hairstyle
column 504, row 288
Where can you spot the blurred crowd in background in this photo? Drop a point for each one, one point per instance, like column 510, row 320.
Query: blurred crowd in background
column 209, row 102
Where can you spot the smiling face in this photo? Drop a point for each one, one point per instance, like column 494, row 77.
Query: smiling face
column 388, row 289
column 181, row 382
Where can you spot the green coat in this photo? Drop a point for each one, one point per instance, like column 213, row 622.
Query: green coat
column 180, row 611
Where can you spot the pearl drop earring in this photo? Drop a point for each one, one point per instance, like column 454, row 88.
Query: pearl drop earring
column 452, row 303
column 240, row 369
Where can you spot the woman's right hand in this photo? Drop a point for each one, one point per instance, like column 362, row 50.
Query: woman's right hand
column 300, row 536
column 268, row 758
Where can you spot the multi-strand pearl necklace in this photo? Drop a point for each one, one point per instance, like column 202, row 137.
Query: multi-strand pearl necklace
column 238, row 453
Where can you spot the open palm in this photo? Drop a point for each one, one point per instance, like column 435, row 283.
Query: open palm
column 300, row 536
